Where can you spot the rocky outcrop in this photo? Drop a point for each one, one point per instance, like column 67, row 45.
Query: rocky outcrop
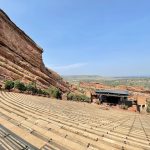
column 21, row 58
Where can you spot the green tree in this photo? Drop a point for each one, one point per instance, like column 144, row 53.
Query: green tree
column 20, row 86
column 70, row 96
column 39, row 91
column 9, row 85
column 54, row 92
column 45, row 92
column 78, row 97
column 31, row 87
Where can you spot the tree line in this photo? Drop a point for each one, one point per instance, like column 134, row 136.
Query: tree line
column 31, row 88
column 52, row 91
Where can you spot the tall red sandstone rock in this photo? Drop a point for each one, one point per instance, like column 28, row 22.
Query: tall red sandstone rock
column 21, row 57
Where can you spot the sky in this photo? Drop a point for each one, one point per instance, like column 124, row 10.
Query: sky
column 87, row 37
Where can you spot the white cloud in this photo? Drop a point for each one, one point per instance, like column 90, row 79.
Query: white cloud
column 70, row 66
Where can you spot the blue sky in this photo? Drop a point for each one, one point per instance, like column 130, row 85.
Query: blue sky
column 87, row 37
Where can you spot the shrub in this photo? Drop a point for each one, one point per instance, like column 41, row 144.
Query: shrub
column 85, row 98
column 42, row 92
column 34, row 90
column 31, row 87
column 20, row 86
column 70, row 96
column 124, row 106
column 78, row 97
column 39, row 91
column 54, row 92
column 148, row 106
column 45, row 93
column 9, row 85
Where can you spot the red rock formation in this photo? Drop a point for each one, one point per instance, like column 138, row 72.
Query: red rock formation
column 21, row 57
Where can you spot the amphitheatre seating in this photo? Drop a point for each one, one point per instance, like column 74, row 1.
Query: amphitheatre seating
column 44, row 123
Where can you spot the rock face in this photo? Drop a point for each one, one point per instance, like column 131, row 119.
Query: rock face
column 21, row 58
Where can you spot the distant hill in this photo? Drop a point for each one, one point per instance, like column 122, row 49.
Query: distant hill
column 88, row 78
column 143, row 81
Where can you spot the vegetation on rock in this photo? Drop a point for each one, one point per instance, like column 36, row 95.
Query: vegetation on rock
column 9, row 85
column 20, row 86
column 31, row 88
column 54, row 92
column 77, row 97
